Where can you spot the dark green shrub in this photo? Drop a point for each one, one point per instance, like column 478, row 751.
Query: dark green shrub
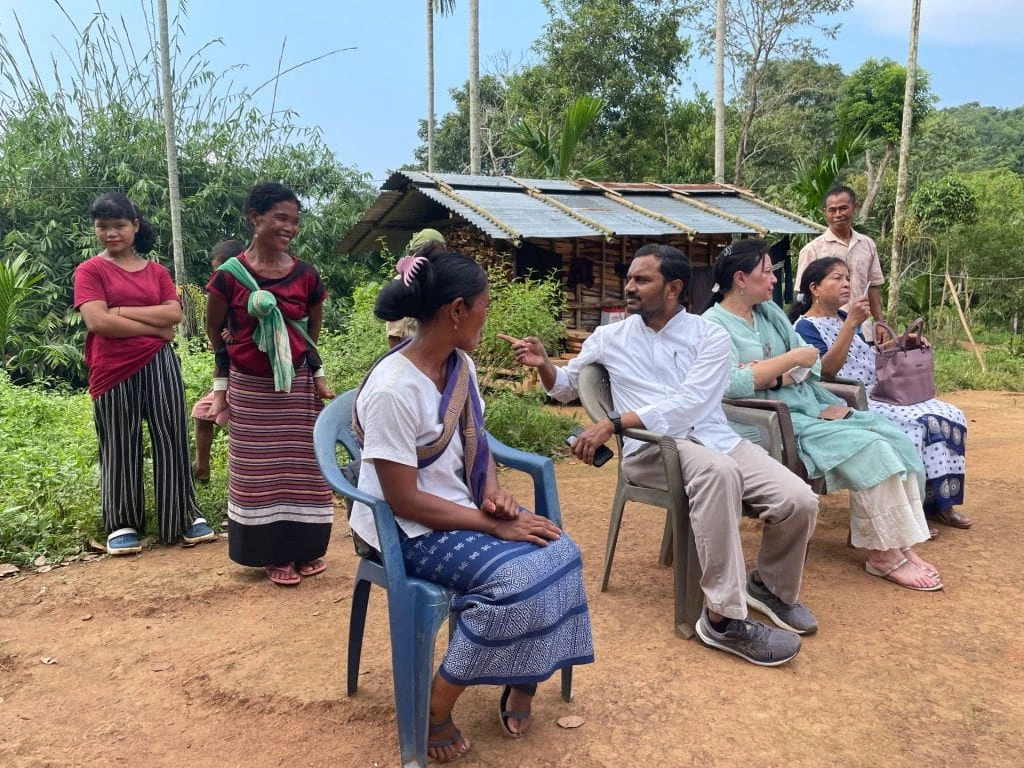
column 524, row 422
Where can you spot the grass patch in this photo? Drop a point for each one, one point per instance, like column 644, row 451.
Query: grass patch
column 49, row 488
column 959, row 369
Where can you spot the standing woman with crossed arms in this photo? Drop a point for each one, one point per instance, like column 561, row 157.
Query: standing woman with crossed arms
column 279, row 506
column 130, row 308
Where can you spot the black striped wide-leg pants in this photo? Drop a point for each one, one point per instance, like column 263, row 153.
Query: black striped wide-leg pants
column 156, row 394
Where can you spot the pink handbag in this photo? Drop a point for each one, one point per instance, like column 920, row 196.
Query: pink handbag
column 905, row 369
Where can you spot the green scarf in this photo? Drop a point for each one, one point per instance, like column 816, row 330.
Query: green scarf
column 271, row 334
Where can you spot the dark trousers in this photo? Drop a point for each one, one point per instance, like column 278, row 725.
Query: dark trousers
column 156, row 394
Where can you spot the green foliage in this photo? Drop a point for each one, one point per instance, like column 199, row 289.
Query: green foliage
column 49, row 489
column 969, row 138
column 451, row 134
column 348, row 354
column 814, row 179
column 15, row 287
column 940, row 204
column 959, row 369
column 101, row 128
column 524, row 422
column 521, row 307
column 872, row 100
column 795, row 119
column 554, row 155
column 628, row 54
column 759, row 35
column 49, row 492
column 988, row 249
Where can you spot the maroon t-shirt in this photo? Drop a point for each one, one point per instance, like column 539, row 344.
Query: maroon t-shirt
column 297, row 293
column 112, row 361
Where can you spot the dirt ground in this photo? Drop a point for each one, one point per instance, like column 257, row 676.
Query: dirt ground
column 179, row 657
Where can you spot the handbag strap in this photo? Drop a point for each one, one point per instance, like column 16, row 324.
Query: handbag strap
column 879, row 325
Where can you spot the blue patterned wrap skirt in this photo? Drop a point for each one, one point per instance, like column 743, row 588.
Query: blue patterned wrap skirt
column 521, row 609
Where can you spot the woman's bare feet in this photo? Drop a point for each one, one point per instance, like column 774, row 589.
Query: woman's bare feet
column 912, row 556
column 445, row 742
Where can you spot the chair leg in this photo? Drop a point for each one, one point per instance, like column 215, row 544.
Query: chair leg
column 412, row 662
column 356, row 624
column 567, row 684
column 613, row 535
column 666, row 557
column 689, row 597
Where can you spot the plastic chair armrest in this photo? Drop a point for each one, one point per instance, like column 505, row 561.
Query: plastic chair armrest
column 850, row 390
column 540, row 468
column 742, row 410
column 644, row 435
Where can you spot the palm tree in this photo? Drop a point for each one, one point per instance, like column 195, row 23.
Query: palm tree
column 554, row 153
column 720, row 92
column 474, row 87
column 443, row 7
column 901, row 177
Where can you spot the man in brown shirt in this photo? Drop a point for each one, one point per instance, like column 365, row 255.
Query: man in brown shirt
column 857, row 250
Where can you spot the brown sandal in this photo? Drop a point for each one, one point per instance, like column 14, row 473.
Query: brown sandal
column 952, row 518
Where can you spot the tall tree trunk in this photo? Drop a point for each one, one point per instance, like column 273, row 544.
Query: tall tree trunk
column 174, row 194
column 474, row 87
column 875, row 177
column 720, row 93
column 741, row 143
column 896, row 263
column 430, row 86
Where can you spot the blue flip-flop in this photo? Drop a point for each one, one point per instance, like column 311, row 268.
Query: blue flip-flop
column 504, row 714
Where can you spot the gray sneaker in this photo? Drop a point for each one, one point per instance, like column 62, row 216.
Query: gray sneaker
column 795, row 617
column 751, row 640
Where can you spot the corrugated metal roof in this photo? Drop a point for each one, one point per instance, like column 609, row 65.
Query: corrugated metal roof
column 758, row 214
column 706, row 223
column 507, row 208
column 615, row 217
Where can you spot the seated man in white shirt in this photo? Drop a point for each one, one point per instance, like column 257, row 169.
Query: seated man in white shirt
column 668, row 372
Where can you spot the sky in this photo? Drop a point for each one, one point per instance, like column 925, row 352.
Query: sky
column 368, row 101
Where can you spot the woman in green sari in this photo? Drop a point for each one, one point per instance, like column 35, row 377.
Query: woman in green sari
column 850, row 449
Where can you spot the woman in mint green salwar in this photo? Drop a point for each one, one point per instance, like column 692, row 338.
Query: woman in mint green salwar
column 850, row 449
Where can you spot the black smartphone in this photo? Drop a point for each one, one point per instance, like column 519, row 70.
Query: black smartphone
column 601, row 455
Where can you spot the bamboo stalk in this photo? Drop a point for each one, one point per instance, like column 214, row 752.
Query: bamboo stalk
column 963, row 321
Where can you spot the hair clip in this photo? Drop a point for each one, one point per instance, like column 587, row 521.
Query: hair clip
column 408, row 266
column 715, row 288
column 727, row 251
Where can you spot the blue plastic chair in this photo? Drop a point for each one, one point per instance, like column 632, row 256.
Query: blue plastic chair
column 416, row 608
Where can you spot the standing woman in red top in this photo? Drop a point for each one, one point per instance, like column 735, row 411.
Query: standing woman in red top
column 130, row 308
column 279, row 506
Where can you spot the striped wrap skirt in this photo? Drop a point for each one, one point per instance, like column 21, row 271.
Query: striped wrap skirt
column 521, row 609
column 279, row 506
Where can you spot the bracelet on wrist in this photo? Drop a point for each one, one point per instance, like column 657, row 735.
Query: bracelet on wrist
column 220, row 384
column 777, row 384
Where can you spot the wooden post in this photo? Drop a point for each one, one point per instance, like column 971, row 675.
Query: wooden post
column 579, row 288
column 963, row 321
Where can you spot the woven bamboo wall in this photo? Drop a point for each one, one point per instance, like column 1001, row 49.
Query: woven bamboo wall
column 592, row 269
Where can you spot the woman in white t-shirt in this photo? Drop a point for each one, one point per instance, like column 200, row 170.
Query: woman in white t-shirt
column 522, row 611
